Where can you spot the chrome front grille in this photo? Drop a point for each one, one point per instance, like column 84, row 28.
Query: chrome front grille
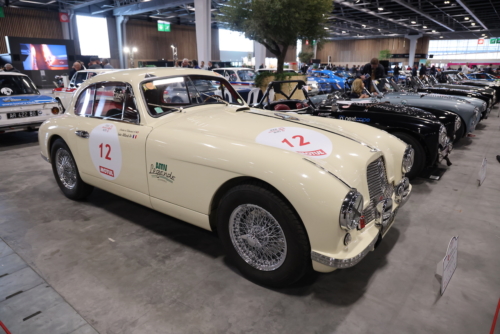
column 378, row 187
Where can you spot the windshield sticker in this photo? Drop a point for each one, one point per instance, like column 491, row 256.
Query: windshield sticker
column 299, row 140
column 158, row 110
column 160, row 171
column 6, row 91
column 105, row 150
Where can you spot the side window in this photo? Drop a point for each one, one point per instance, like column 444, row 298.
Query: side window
column 231, row 76
column 80, row 77
column 115, row 100
column 85, row 102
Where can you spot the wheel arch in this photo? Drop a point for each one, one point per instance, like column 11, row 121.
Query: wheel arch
column 419, row 138
column 51, row 142
column 237, row 181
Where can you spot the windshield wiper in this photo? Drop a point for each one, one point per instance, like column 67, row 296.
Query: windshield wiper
column 215, row 97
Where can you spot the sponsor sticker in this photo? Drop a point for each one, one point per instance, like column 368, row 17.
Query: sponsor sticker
column 299, row 140
column 105, row 150
column 160, row 171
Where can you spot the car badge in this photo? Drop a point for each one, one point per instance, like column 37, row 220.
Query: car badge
column 40, row 112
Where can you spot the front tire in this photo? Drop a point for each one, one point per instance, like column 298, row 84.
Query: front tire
column 419, row 160
column 66, row 172
column 263, row 236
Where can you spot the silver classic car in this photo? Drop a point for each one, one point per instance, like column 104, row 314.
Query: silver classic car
column 388, row 91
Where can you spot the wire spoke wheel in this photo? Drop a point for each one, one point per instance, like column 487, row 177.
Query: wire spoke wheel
column 66, row 169
column 257, row 237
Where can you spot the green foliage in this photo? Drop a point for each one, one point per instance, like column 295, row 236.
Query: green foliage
column 428, row 63
column 283, row 76
column 384, row 54
column 277, row 24
column 305, row 56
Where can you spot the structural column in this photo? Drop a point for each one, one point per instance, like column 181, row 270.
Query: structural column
column 203, row 30
column 260, row 54
column 413, row 47
column 121, row 21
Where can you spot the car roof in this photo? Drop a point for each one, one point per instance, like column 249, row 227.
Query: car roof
column 233, row 68
column 13, row 73
column 136, row 76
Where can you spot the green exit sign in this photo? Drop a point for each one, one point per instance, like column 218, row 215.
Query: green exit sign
column 164, row 26
column 493, row 40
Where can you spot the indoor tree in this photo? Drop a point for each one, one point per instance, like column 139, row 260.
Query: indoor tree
column 277, row 24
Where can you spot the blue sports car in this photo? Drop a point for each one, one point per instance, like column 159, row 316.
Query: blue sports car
column 482, row 76
column 336, row 82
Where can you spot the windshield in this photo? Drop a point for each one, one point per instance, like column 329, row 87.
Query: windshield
column 16, row 85
column 246, row 75
column 166, row 95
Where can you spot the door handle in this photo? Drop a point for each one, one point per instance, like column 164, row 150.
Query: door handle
column 81, row 133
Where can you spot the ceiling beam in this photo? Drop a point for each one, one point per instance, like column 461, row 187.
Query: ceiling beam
column 367, row 11
column 350, row 29
column 367, row 25
column 464, row 6
column 85, row 4
column 144, row 7
column 418, row 11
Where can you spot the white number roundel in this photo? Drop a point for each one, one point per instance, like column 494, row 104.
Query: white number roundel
column 303, row 141
column 105, row 150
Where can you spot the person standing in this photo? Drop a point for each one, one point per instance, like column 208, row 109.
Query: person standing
column 422, row 71
column 185, row 62
column 396, row 73
column 466, row 69
column 202, row 66
column 375, row 70
column 195, row 64
column 77, row 66
column 9, row 68
column 210, row 66
column 433, row 70
column 414, row 71
column 106, row 64
column 94, row 64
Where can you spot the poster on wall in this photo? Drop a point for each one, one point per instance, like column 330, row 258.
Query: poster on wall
column 44, row 57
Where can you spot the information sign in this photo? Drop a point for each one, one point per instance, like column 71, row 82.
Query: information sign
column 449, row 263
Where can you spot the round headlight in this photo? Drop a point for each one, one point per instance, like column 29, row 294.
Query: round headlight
column 351, row 210
column 458, row 123
column 55, row 110
column 408, row 158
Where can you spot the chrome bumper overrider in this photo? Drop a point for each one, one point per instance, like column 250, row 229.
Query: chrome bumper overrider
column 343, row 263
column 446, row 151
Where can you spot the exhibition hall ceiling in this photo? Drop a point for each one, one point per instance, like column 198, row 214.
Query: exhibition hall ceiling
column 350, row 19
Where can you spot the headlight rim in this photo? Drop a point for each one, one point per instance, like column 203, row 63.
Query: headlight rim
column 408, row 160
column 347, row 217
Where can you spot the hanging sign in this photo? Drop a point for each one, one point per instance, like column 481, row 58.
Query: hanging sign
column 1, row 12
column 63, row 17
column 480, row 41
column 447, row 266
column 164, row 26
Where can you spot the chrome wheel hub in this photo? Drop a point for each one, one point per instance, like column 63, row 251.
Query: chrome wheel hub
column 66, row 169
column 257, row 237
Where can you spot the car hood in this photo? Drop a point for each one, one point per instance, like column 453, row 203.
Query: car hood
column 431, row 100
column 342, row 148
column 21, row 100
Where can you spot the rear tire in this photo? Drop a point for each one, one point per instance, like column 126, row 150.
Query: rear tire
column 263, row 236
column 66, row 172
column 419, row 161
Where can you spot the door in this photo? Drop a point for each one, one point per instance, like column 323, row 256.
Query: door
column 111, row 141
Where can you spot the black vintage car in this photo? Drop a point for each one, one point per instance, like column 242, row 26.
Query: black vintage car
column 418, row 86
column 430, row 136
column 456, row 77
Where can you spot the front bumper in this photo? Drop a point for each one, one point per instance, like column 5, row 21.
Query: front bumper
column 444, row 153
column 375, row 231
column 20, row 126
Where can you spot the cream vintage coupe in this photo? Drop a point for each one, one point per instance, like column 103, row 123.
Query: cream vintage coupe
column 285, row 193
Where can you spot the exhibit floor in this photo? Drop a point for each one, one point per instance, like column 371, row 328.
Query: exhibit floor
column 128, row 269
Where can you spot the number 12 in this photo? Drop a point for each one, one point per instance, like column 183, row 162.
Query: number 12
column 301, row 143
column 109, row 151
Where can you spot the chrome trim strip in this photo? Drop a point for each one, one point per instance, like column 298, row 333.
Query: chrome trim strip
column 343, row 263
column 335, row 176
column 45, row 158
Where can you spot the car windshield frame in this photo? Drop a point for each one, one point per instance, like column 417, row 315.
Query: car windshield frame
column 188, row 81
column 25, row 82
column 242, row 77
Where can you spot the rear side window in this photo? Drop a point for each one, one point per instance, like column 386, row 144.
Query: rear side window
column 85, row 103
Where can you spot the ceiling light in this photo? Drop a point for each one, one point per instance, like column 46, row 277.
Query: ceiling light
column 343, row 31
column 434, row 31
column 425, row 27
column 483, row 34
column 472, row 24
column 440, row 36
column 380, row 8
column 363, row 25
column 466, row 18
column 326, row 28
column 446, row 2
column 413, row 22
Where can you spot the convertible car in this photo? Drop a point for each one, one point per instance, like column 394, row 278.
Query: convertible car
column 21, row 105
column 284, row 193
column 431, row 80
column 429, row 132
column 388, row 91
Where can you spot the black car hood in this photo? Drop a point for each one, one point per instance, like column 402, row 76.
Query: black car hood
column 386, row 108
